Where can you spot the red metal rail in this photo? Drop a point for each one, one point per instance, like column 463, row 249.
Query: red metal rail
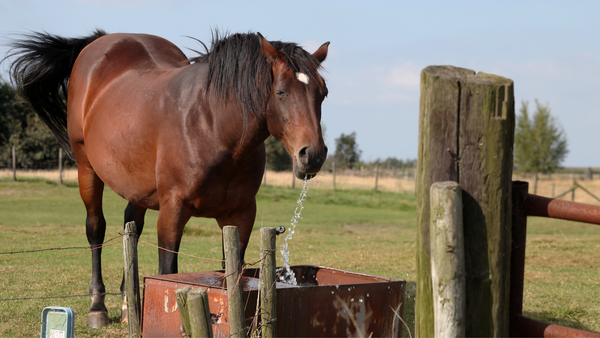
column 525, row 205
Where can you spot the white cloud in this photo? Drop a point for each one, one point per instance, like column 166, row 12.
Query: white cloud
column 377, row 85
column 406, row 75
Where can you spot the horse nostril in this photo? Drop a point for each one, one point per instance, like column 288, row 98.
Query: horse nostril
column 302, row 152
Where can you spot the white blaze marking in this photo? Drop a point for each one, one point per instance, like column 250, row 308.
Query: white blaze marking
column 302, row 77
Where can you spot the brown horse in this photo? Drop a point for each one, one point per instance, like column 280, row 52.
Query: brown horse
column 184, row 137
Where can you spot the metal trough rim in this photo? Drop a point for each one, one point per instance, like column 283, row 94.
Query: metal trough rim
column 220, row 274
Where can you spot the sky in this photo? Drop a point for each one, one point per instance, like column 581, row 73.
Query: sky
column 550, row 49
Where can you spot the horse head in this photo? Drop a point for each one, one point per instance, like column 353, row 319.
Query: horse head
column 294, row 109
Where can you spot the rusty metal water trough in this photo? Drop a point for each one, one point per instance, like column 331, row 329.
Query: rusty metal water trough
column 317, row 307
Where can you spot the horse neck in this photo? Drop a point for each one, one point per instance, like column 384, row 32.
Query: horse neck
column 224, row 118
column 243, row 134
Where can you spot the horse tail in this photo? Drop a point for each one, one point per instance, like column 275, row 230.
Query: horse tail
column 40, row 74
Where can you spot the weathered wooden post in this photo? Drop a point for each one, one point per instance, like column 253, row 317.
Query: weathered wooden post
column 376, row 176
column 60, row 166
column 447, row 260
column 132, row 283
column 14, row 163
column 181, row 295
column 199, row 313
column 268, row 289
column 333, row 166
column 194, row 311
column 235, row 291
column 466, row 133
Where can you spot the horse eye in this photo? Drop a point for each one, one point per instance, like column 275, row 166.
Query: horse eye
column 281, row 93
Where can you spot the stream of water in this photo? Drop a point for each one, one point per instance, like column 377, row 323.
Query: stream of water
column 288, row 275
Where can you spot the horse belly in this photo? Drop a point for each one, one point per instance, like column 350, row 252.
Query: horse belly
column 122, row 152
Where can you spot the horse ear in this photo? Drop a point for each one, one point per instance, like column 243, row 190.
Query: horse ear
column 268, row 50
column 321, row 53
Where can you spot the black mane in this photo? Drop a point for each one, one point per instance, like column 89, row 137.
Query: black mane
column 238, row 67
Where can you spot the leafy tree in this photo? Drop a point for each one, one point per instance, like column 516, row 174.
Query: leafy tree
column 347, row 153
column 278, row 158
column 540, row 142
column 21, row 127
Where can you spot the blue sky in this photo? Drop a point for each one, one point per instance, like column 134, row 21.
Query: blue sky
column 550, row 49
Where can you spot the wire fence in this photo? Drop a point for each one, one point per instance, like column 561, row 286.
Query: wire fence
column 256, row 325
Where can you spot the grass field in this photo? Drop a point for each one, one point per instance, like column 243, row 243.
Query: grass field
column 358, row 230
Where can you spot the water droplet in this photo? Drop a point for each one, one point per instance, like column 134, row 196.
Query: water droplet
column 331, row 293
column 367, row 295
column 352, row 299
column 360, row 300
column 349, row 289
column 337, row 287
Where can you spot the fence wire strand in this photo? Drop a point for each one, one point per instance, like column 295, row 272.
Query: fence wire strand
column 55, row 258
column 57, row 249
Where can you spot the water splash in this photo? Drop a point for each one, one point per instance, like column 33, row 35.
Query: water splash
column 289, row 276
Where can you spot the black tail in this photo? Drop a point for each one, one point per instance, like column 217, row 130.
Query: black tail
column 40, row 74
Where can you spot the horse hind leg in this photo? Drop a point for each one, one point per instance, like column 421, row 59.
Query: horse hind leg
column 91, row 189
column 136, row 214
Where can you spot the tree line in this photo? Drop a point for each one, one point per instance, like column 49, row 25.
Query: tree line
column 21, row 129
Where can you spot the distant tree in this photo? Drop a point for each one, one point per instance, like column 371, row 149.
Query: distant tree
column 540, row 142
column 21, row 127
column 278, row 158
column 347, row 153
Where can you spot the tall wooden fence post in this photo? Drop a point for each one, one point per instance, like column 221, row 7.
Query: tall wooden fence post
column 376, row 176
column 447, row 260
column 235, row 290
column 132, row 283
column 333, row 166
column 60, row 166
column 268, row 288
column 466, row 135
column 14, row 163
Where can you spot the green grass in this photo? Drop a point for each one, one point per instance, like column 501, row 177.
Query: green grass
column 363, row 231
column 562, row 273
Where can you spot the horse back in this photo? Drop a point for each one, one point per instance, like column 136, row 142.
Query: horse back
column 110, row 106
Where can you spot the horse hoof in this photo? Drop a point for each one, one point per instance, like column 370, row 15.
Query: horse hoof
column 97, row 319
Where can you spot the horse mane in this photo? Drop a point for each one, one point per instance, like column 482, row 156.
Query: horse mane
column 238, row 67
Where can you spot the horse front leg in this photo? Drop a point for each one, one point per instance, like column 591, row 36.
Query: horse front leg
column 172, row 218
column 244, row 221
column 136, row 214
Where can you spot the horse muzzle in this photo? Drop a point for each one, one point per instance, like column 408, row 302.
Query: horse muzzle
column 309, row 160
